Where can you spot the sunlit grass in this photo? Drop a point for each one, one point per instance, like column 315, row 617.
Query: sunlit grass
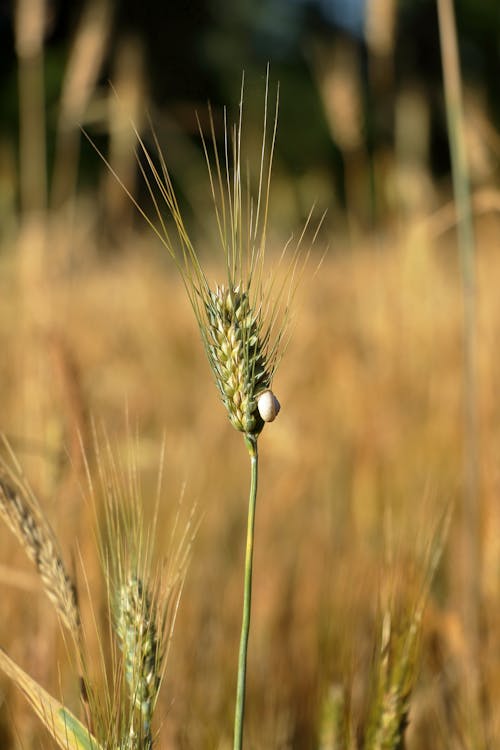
column 365, row 452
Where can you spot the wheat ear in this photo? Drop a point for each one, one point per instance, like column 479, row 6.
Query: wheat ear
column 143, row 595
column 398, row 657
column 237, row 356
column 138, row 636
column 21, row 512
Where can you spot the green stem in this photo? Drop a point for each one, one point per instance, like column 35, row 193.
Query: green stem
column 251, row 442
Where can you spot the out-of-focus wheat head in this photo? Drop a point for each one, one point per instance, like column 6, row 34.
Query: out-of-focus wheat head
column 143, row 600
column 22, row 513
column 396, row 667
column 137, row 632
column 20, row 510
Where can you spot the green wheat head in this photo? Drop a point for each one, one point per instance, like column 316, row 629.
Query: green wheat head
column 243, row 321
column 237, row 356
column 143, row 599
column 138, row 638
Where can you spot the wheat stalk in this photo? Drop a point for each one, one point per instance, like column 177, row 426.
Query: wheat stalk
column 243, row 321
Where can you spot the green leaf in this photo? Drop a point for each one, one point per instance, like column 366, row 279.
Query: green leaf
column 67, row 731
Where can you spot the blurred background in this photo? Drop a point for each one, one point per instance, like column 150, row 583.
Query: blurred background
column 362, row 124
column 371, row 446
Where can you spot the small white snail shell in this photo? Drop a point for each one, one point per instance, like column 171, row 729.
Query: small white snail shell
column 268, row 406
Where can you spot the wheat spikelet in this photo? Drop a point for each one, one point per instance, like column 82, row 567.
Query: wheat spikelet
column 398, row 657
column 138, row 639
column 237, row 356
column 23, row 516
column 396, row 675
column 334, row 724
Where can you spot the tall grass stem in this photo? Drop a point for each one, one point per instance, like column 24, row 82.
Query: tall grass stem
column 466, row 244
column 30, row 21
column 251, row 442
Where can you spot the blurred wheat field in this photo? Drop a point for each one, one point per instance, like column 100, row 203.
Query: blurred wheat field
column 361, row 590
column 363, row 460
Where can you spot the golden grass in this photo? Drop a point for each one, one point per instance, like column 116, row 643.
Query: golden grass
column 363, row 459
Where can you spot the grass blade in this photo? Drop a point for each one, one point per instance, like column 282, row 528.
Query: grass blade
column 65, row 728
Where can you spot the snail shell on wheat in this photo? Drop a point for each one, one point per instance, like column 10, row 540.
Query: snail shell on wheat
column 268, row 406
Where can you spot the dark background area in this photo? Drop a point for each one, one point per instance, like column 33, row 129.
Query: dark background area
column 195, row 52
